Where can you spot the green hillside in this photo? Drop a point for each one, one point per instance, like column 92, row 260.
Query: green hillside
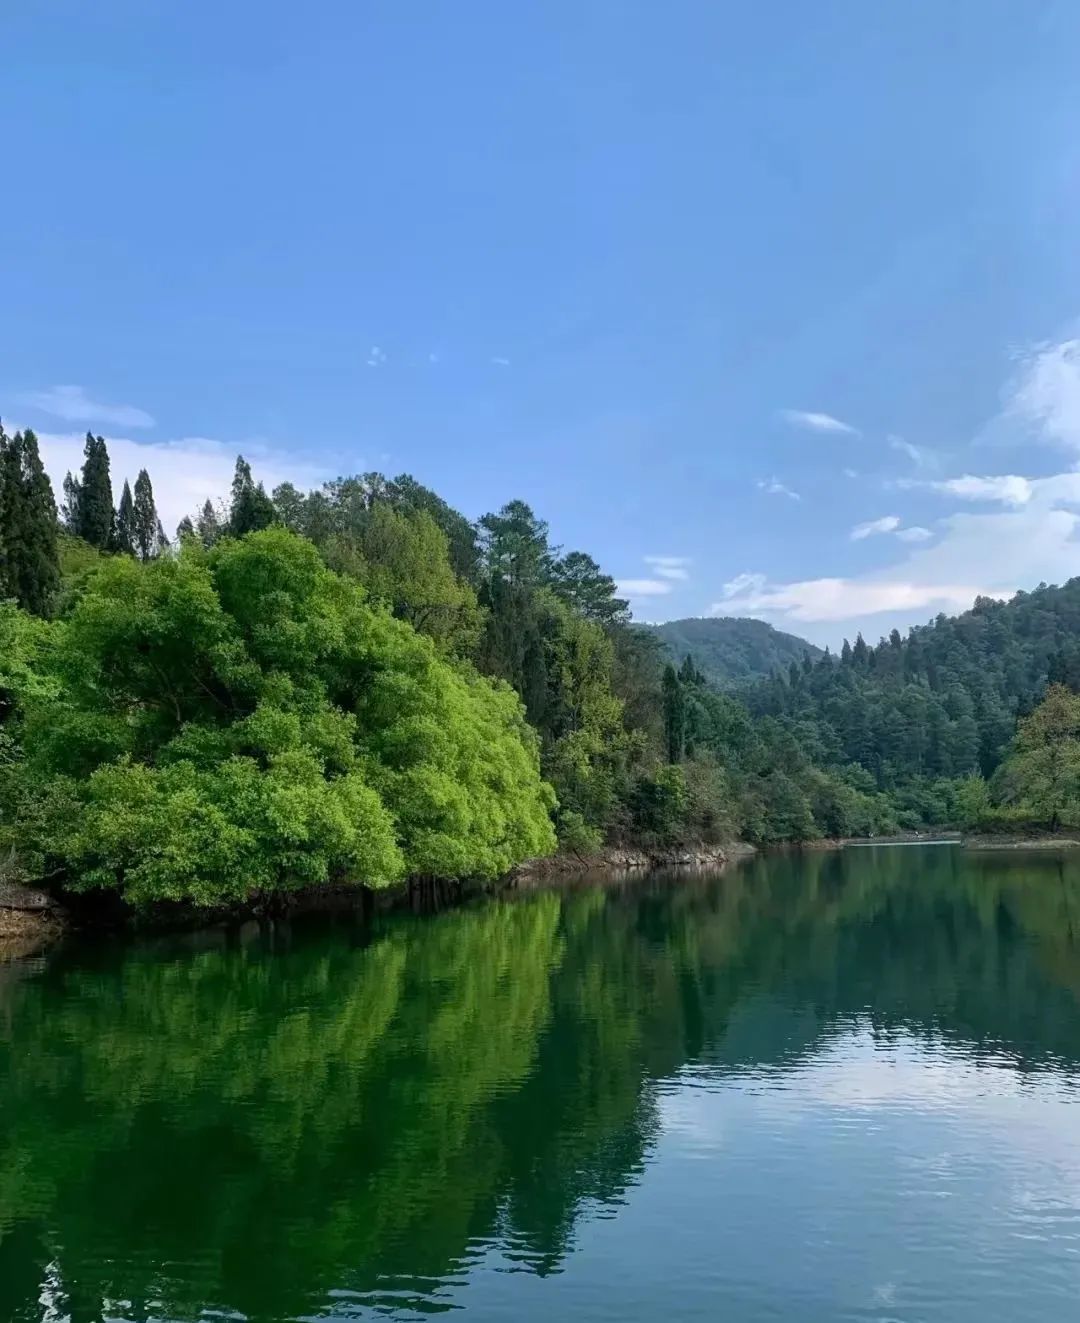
column 729, row 650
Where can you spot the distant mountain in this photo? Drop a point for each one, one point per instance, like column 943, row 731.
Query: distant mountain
column 730, row 650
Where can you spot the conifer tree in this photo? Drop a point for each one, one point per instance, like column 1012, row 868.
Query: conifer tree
column 208, row 525
column 147, row 536
column 251, row 508
column 29, row 562
column 125, row 522
column 95, row 517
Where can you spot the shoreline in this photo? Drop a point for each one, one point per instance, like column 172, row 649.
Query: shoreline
column 30, row 920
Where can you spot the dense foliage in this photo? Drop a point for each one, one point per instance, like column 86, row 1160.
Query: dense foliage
column 730, row 651
column 358, row 682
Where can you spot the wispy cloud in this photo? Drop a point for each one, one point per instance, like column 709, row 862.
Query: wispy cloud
column 774, row 487
column 984, row 553
column 376, row 357
column 670, row 567
column 433, row 357
column 644, row 587
column 817, row 422
column 1046, row 393
column 501, row 362
column 874, row 527
column 1008, row 488
column 921, row 456
column 73, row 405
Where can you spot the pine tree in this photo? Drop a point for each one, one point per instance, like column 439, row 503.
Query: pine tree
column 674, row 714
column 185, row 529
column 208, row 525
column 95, row 517
column 125, row 522
column 69, row 511
column 251, row 508
column 146, row 533
column 28, row 553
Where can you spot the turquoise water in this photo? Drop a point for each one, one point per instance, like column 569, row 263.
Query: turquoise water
column 829, row 1087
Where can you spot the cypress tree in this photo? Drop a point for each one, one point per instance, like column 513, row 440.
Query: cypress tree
column 94, row 506
column 147, row 536
column 185, row 529
column 208, row 525
column 125, row 522
column 28, row 556
column 251, row 508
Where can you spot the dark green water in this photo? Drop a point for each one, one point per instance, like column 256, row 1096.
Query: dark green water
column 842, row 1087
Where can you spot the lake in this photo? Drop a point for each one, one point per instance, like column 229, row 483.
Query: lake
column 835, row 1086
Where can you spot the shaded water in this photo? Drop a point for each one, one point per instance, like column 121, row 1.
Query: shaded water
column 841, row 1086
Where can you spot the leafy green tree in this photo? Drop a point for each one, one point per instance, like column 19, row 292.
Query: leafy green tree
column 402, row 558
column 1041, row 775
column 239, row 721
column 29, row 559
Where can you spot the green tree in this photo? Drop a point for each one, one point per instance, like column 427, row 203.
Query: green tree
column 125, row 522
column 94, row 517
column 1041, row 775
column 514, row 546
column 226, row 723
column 251, row 508
column 147, row 536
column 29, row 559
column 581, row 583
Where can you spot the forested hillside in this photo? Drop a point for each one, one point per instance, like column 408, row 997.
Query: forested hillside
column 730, row 650
column 942, row 703
column 359, row 683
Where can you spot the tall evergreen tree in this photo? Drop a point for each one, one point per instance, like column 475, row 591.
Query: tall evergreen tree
column 125, row 522
column 95, row 517
column 251, row 508
column 208, row 525
column 147, row 536
column 674, row 714
column 29, row 562
column 515, row 547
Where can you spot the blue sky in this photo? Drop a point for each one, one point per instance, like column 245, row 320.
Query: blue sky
column 773, row 308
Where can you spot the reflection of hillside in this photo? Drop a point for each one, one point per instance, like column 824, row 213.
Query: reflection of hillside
column 222, row 1124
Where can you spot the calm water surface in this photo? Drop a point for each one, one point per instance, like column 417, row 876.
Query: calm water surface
column 841, row 1087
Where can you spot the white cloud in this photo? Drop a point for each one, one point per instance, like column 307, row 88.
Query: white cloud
column 914, row 534
column 921, row 456
column 817, row 422
column 850, row 473
column 872, row 527
column 433, row 357
column 184, row 472
column 376, row 357
column 776, row 488
column 1046, row 392
column 73, row 405
column 644, row 587
column 501, row 362
column 669, row 567
column 1008, row 488
column 846, row 599
column 743, row 584
column 988, row 554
